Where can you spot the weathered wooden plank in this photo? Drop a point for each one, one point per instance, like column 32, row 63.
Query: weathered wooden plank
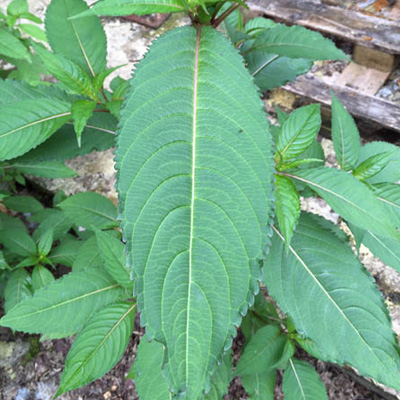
column 374, row 58
column 361, row 105
column 366, row 30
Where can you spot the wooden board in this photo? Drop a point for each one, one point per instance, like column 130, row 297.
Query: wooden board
column 360, row 105
column 366, row 30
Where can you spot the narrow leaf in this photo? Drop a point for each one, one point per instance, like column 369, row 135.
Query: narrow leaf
column 46, row 242
column 349, row 198
column 98, row 347
column 200, row 149
column 45, row 169
column 89, row 210
column 17, row 289
column 301, row 382
column 34, row 31
column 345, row 136
column 26, row 124
column 82, row 110
column 372, row 166
column 82, row 41
column 334, row 297
column 65, row 305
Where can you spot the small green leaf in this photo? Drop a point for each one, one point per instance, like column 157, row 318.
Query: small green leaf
column 98, row 347
column 297, row 42
column 345, row 136
column 282, row 116
column 64, row 306
column 17, row 289
column 57, row 221
column 45, row 242
column 260, row 386
column 221, row 378
column 350, row 198
column 263, row 352
column 99, row 79
column 3, row 262
column 287, row 206
column 81, row 41
column 18, row 242
column 298, row 132
column 112, row 252
column 90, row 209
column 114, row 107
column 88, row 256
column 31, row 17
column 34, row 31
column 24, row 204
column 10, row 46
column 28, row 262
column 82, row 110
column 372, row 166
column 41, row 277
column 46, row 169
column 301, row 382
column 18, row 7
column 66, row 252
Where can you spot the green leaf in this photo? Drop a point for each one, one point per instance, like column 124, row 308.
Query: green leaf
column 112, row 252
column 301, row 382
column 138, row 7
column 69, row 73
column 282, row 116
column 99, row 134
column 26, row 124
column 334, row 298
column 10, row 46
column 31, row 17
column 65, row 253
column 389, row 195
column 17, row 289
column 88, row 256
column 45, row 242
column 147, row 370
column 82, row 110
column 298, row 132
column 65, row 305
column 89, row 210
column 391, row 173
column 18, row 242
column 345, row 136
column 297, row 42
column 46, row 169
column 98, row 347
column 57, row 221
column 7, row 222
column 287, row 206
column 372, row 166
column 263, row 352
column 221, row 379
column 41, row 277
column 349, row 198
column 315, row 151
column 24, row 204
column 34, row 31
column 200, row 151
column 260, row 386
column 82, row 41
column 18, row 7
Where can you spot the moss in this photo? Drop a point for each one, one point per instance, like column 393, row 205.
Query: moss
column 34, row 349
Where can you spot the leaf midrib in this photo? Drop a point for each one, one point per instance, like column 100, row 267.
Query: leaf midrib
column 297, row 379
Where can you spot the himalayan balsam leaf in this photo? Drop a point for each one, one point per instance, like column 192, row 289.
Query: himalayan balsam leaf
column 99, row 346
column 46, row 242
column 263, row 352
column 34, row 31
column 41, row 277
column 82, row 110
column 88, row 256
column 221, row 379
column 17, row 289
column 82, row 41
column 10, row 46
column 301, row 382
column 46, row 169
column 138, row 7
column 349, row 198
column 297, row 42
column 345, row 136
column 260, row 386
column 112, row 252
column 282, row 116
column 195, row 256
column 334, row 298
column 25, row 124
column 287, row 205
column 65, row 253
column 18, row 242
column 57, row 221
column 63, row 307
column 298, row 132
column 24, row 204
column 372, row 166
column 18, row 7
column 89, row 210
column 389, row 194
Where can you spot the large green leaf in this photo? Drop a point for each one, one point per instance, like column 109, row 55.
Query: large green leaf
column 26, row 124
column 10, row 46
column 333, row 298
column 301, row 382
column 82, row 40
column 297, row 42
column 195, row 183
column 99, row 346
column 345, row 136
column 17, row 288
column 64, row 306
column 138, row 7
column 349, row 198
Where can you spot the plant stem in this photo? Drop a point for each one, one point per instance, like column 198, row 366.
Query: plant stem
column 226, row 14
